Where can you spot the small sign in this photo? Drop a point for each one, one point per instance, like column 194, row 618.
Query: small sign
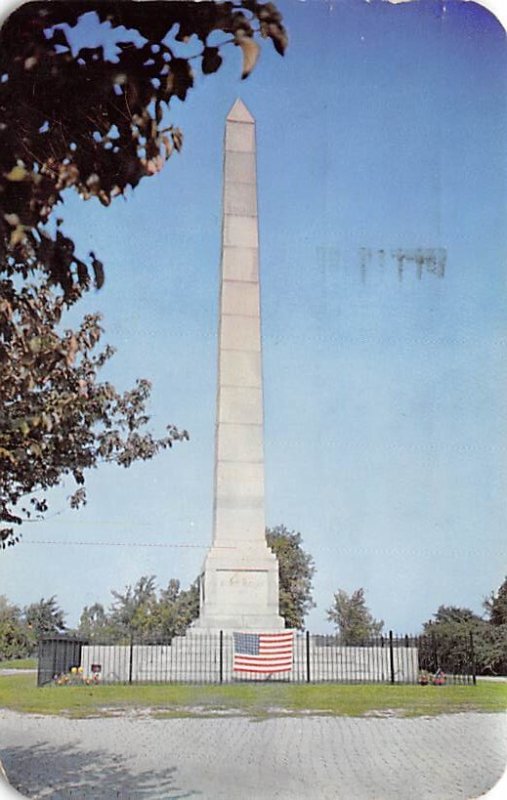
column 96, row 667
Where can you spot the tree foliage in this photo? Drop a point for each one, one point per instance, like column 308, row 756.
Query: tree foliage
column 132, row 610
column 177, row 608
column 16, row 640
column 450, row 631
column 93, row 621
column 450, row 615
column 296, row 570
column 94, row 118
column 20, row 629
column 56, row 417
column 496, row 605
column 143, row 610
column 352, row 617
column 45, row 617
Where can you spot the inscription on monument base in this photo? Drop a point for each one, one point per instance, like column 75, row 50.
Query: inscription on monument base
column 248, row 587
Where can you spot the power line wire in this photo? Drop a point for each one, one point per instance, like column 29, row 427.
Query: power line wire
column 414, row 551
column 121, row 544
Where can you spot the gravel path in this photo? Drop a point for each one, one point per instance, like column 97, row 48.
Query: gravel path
column 291, row 758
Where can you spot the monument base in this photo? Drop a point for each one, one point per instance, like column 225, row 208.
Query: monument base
column 239, row 624
column 239, row 590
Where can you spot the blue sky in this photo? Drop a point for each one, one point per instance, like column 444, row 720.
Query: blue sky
column 384, row 127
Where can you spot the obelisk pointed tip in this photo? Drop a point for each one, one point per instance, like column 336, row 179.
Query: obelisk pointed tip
column 239, row 113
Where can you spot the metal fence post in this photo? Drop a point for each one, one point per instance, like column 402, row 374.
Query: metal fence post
column 472, row 656
column 40, row 657
column 391, row 656
column 308, row 676
column 131, row 656
column 221, row 657
column 434, row 651
column 54, row 656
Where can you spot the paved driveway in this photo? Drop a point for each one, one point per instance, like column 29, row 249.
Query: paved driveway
column 235, row 758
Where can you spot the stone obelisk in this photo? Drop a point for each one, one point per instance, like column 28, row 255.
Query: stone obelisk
column 239, row 582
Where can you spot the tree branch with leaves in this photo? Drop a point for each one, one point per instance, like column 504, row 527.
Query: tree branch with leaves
column 296, row 570
column 353, row 618
column 96, row 120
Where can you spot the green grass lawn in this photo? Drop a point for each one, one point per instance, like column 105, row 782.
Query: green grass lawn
column 19, row 693
column 19, row 663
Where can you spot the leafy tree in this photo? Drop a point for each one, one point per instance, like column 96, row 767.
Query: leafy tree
column 15, row 638
column 454, row 614
column 45, row 617
column 142, row 610
column 93, row 119
column 450, row 646
column 170, row 594
column 296, row 570
column 353, row 618
column 490, row 645
column 177, row 609
column 447, row 643
column 93, row 622
column 496, row 605
column 133, row 610
column 56, row 418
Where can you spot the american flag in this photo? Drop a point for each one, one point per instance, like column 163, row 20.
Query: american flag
column 263, row 652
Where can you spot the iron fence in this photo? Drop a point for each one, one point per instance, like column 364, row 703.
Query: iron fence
column 209, row 658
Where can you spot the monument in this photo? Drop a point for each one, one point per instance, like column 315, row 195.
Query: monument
column 239, row 581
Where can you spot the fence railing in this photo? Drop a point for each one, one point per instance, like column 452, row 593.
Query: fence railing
column 209, row 658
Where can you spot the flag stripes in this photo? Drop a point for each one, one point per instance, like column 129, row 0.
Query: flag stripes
column 263, row 652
